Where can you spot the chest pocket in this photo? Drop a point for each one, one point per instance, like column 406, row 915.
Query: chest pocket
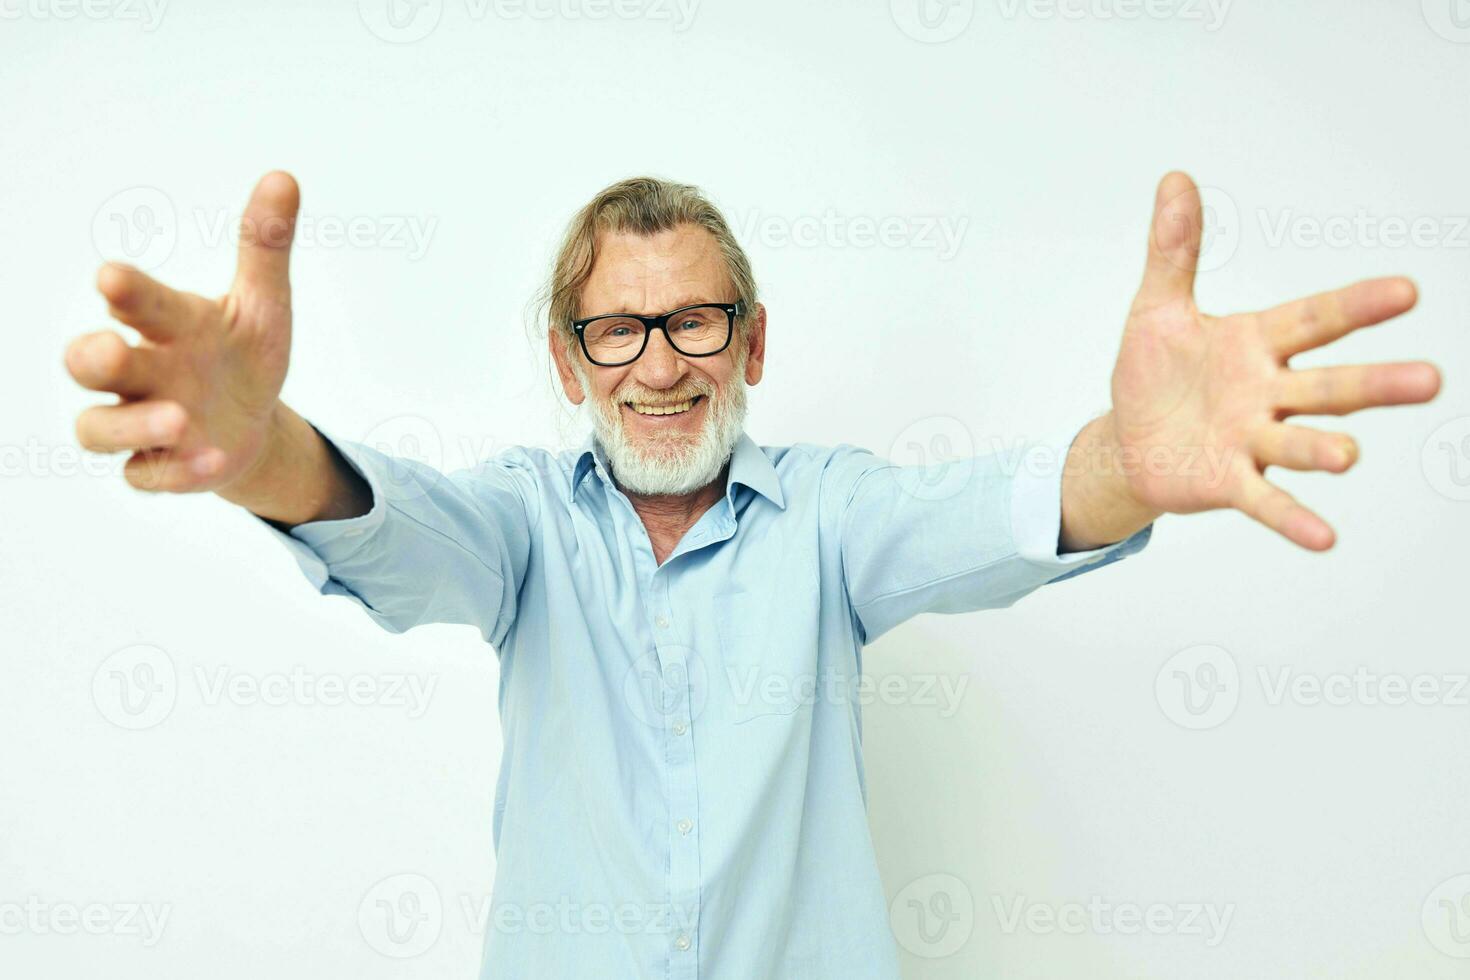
column 769, row 646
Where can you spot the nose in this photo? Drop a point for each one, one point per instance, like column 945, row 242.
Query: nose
column 660, row 366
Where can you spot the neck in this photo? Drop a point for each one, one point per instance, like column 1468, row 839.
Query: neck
column 668, row 517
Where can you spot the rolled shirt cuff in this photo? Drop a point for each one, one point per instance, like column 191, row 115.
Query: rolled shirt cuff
column 1036, row 512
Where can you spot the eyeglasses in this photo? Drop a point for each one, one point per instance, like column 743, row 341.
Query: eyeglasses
column 615, row 339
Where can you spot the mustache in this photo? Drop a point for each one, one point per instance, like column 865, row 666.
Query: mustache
column 632, row 391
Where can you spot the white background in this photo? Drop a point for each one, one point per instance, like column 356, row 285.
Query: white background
column 1329, row 833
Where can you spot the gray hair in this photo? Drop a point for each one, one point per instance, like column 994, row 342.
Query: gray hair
column 642, row 206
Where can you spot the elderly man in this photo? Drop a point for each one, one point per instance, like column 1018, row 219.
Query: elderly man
column 679, row 612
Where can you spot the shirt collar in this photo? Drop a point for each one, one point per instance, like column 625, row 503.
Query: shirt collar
column 749, row 466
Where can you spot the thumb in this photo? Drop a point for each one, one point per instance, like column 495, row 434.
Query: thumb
column 1174, row 241
column 266, row 230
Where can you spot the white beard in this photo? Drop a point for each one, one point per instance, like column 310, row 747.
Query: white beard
column 672, row 464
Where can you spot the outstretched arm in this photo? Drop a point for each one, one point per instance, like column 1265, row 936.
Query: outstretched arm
column 1200, row 402
column 199, row 409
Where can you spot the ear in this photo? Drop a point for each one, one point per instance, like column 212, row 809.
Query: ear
column 755, row 357
column 569, row 382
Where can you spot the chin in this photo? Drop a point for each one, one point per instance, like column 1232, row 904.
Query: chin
column 666, row 449
column 670, row 466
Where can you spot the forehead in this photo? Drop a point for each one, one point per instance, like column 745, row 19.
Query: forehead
column 655, row 273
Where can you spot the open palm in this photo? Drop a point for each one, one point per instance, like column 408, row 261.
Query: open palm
column 1200, row 402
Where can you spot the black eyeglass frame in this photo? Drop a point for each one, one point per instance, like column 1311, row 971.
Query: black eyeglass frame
column 652, row 323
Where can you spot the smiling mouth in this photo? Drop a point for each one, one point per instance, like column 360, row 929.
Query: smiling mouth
column 669, row 408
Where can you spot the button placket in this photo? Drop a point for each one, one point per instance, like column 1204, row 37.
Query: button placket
column 683, row 782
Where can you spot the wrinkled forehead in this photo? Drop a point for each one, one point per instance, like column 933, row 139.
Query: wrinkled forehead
column 652, row 274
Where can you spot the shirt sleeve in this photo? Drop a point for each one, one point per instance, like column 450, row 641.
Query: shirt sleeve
column 434, row 548
column 968, row 534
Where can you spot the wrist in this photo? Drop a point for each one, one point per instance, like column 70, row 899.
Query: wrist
column 258, row 482
column 1120, row 471
column 1100, row 504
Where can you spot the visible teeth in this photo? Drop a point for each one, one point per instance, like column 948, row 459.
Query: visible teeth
column 674, row 409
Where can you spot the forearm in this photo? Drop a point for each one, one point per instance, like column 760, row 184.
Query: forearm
column 299, row 477
column 1098, row 508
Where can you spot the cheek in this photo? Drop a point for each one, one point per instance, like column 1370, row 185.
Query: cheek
column 722, row 376
column 605, row 383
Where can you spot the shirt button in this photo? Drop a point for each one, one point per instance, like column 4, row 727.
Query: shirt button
column 663, row 623
column 686, row 825
column 680, row 728
column 682, row 942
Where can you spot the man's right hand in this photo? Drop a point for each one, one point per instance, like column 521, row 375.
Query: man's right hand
column 200, row 404
column 199, row 392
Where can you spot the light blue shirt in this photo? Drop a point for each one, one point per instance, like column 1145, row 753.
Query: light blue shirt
column 681, row 793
